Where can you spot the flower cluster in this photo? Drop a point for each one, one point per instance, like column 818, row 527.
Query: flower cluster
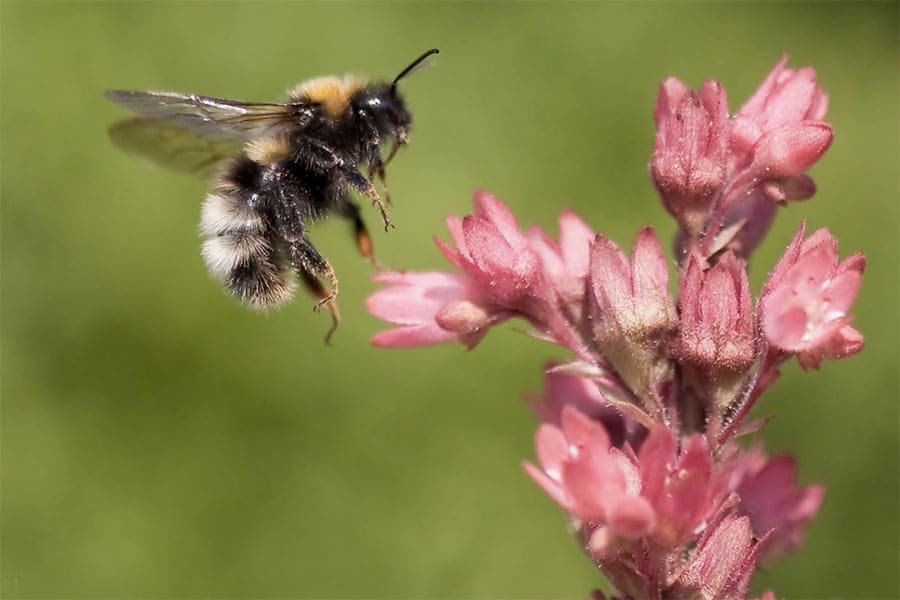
column 637, row 434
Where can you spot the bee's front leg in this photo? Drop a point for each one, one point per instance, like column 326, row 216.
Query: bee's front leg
column 364, row 186
column 318, row 155
column 376, row 164
column 378, row 167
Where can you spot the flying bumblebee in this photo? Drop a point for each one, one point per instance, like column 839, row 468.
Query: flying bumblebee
column 275, row 168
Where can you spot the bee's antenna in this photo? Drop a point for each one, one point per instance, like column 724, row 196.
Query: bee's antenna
column 412, row 67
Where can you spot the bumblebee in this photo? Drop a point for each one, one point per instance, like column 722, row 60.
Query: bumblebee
column 274, row 169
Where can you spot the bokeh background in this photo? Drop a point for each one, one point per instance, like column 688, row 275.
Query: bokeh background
column 159, row 440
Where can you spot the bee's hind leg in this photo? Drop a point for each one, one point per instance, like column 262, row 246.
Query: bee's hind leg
column 310, row 265
column 318, row 291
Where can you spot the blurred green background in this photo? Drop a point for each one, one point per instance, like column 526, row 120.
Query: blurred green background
column 159, row 440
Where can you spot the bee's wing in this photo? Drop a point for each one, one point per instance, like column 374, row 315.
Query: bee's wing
column 214, row 118
column 172, row 147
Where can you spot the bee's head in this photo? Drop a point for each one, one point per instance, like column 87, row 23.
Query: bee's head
column 385, row 108
column 386, row 111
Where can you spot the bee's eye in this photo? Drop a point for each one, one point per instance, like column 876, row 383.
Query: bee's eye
column 374, row 102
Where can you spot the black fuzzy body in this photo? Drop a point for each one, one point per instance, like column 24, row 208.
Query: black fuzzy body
column 262, row 200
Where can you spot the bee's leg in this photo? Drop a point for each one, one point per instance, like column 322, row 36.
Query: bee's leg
column 394, row 147
column 364, row 186
column 376, row 164
column 320, row 155
column 349, row 209
column 315, row 287
column 305, row 259
column 377, row 167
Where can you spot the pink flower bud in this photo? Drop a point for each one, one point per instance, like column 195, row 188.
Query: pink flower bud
column 773, row 501
column 785, row 96
column 631, row 300
column 589, row 479
column 633, row 315
column 804, row 304
column 716, row 328
column 565, row 263
column 678, row 486
column 562, row 390
column 789, row 151
column 774, row 138
column 492, row 249
column 689, row 157
column 722, row 563
column 468, row 320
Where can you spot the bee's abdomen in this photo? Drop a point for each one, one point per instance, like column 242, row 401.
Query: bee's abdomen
column 240, row 251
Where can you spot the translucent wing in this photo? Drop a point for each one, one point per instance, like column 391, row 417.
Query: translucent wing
column 165, row 145
column 214, row 118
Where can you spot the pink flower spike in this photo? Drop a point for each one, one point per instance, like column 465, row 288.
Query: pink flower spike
column 716, row 327
column 804, row 304
column 430, row 307
column 689, row 157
